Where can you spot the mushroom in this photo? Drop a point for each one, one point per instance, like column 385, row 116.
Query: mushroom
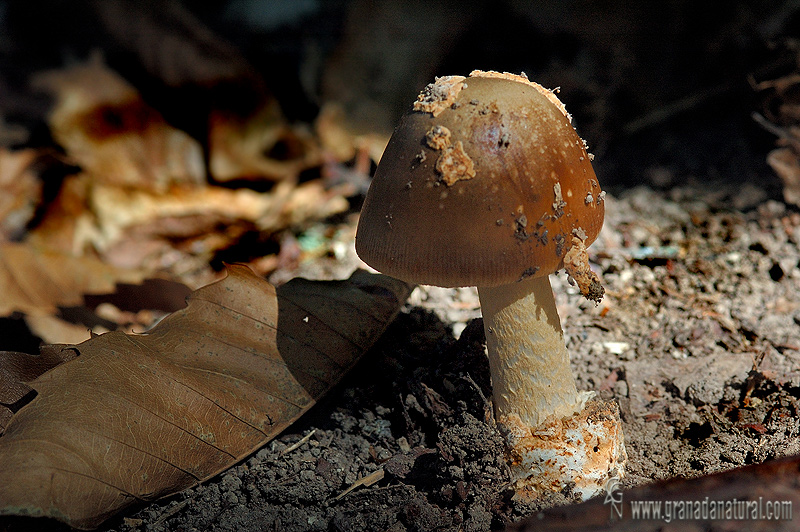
column 486, row 183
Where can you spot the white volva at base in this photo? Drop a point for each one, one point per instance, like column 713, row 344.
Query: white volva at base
column 582, row 451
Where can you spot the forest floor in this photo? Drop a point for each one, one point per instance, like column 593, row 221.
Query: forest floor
column 697, row 339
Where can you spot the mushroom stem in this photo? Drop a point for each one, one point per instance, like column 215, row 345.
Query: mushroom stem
column 555, row 436
column 531, row 375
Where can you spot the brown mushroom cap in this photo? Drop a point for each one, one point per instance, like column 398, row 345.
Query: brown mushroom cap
column 485, row 182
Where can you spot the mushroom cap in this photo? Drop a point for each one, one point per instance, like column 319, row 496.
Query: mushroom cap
column 485, row 182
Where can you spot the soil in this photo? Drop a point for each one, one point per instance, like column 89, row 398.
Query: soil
column 697, row 339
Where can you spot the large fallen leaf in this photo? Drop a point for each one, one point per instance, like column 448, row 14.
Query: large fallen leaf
column 136, row 417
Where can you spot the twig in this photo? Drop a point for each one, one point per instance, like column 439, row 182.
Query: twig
column 367, row 481
column 298, row 443
column 775, row 129
column 780, row 84
column 697, row 99
column 780, row 132
column 670, row 110
column 169, row 513
column 488, row 411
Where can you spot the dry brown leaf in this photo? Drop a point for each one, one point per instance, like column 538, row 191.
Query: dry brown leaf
column 54, row 330
column 137, row 417
column 20, row 191
column 132, row 308
column 285, row 205
column 37, row 281
column 261, row 146
column 248, row 136
column 105, row 126
column 341, row 143
column 139, row 228
column 17, row 369
column 67, row 220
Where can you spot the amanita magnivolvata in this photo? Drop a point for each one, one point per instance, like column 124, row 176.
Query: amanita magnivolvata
column 486, row 183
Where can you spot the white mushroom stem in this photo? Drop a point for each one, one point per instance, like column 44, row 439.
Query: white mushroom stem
column 556, row 437
column 529, row 362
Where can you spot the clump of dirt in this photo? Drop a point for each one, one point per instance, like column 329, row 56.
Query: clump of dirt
column 697, row 339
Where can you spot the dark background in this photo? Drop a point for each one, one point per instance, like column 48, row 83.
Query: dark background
column 662, row 91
